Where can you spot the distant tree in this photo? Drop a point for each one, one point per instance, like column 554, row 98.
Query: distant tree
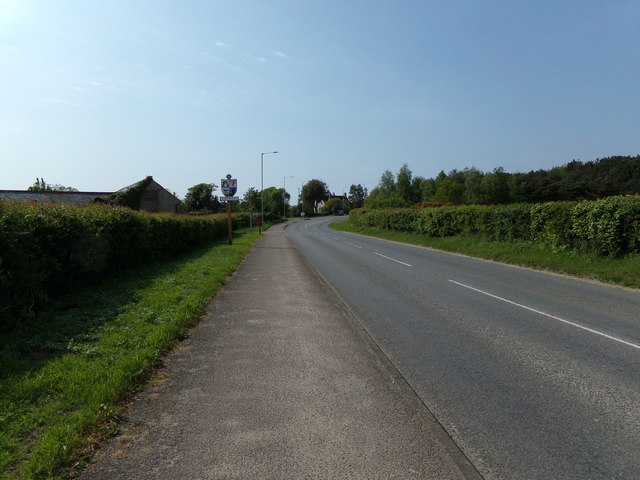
column 200, row 198
column 473, row 186
column 517, row 192
column 457, row 176
column 41, row 186
column 386, row 186
column 573, row 181
column 403, row 184
column 495, row 187
column 357, row 195
column 314, row 191
column 450, row 191
column 428, row 189
column 332, row 206
column 274, row 200
column 251, row 202
column 417, row 184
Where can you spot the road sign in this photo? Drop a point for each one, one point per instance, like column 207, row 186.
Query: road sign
column 229, row 199
column 229, row 186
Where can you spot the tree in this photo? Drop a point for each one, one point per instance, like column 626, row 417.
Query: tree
column 314, row 191
column 473, row 186
column 274, row 200
column 386, row 186
column 41, row 186
column 332, row 206
column 450, row 191
column 403, row 184
column 251, row 200
column 200, row 198
column 428, row 189
column 495, row 187
column 357, row 195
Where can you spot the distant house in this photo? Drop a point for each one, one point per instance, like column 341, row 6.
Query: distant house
column 147, row 193
column 321, row 203
column 155, row 198
column 47, row 196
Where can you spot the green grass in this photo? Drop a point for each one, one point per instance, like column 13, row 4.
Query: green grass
column 64, row 374
column 620, row 271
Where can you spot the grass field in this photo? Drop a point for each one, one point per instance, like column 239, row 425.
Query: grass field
column 621, row 271
column 66, row 373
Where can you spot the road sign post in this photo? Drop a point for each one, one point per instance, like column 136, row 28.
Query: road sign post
column 229, row 187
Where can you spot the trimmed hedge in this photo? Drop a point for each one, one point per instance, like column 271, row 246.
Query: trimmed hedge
column 608, row 227
column 48, row 249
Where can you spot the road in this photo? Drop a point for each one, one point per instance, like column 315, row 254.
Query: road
column 534, row 375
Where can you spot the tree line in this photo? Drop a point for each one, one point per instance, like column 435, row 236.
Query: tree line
column 315, row 198
column 618, row 175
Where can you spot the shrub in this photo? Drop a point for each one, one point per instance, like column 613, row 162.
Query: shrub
column 49, row 249
column 608, row 227
column 551, row 224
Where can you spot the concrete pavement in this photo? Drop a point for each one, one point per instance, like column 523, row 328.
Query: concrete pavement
column 278, row 381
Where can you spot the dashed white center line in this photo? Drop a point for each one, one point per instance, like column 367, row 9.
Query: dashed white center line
column 392, row 259
column 352, row 244
column 573, row 324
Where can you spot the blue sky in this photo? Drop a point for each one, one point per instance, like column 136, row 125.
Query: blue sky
column 98, row 94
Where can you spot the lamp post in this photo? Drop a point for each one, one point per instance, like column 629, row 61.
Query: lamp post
column 262, row 188
column 284, row 196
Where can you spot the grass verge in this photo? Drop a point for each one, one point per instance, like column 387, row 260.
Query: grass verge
column 620, row 271
column 64, row 374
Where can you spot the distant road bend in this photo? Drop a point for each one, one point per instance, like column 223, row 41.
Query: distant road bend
column 534, row 375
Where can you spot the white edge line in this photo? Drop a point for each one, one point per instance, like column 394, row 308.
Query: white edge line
column 392, row 259
column 573, row 324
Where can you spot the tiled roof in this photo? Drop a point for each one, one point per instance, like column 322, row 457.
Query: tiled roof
column 73, row 198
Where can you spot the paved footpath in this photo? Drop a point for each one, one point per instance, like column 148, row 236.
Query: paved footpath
column 278, row 381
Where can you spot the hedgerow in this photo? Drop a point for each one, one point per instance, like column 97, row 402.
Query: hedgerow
column 608, row 227
column 49, row 249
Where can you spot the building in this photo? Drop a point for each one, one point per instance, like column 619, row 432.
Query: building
column 155, row 198
column 147, row 195
column 318, row 206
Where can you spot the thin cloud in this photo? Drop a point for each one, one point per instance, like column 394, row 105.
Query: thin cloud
column 261, row 59
column 100, row 85
column 221, row 45
column 250, row 52
column 11, row 130
column 5, row 47
column 60, row 101
column 281, row 54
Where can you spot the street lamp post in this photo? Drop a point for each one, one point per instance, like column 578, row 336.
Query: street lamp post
column 262, row 188
column 284, row 196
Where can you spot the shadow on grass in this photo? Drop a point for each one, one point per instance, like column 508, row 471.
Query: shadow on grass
column 76, row 317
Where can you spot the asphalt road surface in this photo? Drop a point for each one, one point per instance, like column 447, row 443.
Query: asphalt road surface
column 278, row 381
column 534, row 375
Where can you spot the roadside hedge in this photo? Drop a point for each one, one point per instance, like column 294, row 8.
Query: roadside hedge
column 48, row 249
column 607, row 227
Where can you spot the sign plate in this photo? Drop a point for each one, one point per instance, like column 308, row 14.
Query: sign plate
column 229, row 199
column 229, row 186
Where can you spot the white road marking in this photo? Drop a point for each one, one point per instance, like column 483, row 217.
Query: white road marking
column 352, row 244
column 573, row 324
column 392, row 259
